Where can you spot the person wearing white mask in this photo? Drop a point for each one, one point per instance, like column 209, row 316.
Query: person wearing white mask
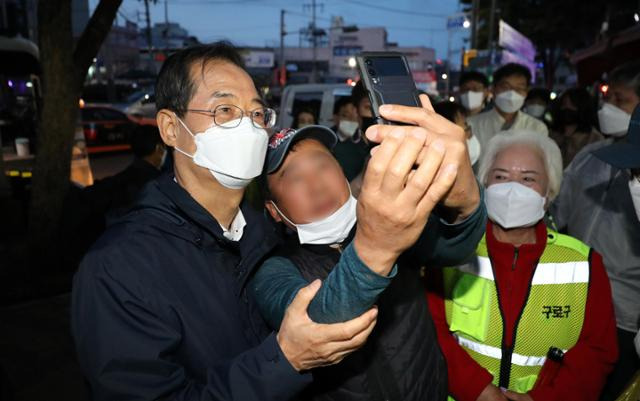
column 160, row 308
column 537, row 103
column 325, row 237
column 528, row 289
column 598, row 204
column 474, row 91
column 351, row 151
column 510, row 88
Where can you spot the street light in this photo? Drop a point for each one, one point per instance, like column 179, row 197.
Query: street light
column 445, row 76
column 636, row 17
column 466, row 24
column 352, row 62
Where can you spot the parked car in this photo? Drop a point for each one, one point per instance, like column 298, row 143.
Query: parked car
column 142, row 104
column 105, row 128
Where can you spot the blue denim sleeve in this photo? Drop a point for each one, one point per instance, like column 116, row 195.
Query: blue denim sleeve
column 348, row 291
column 443, row 244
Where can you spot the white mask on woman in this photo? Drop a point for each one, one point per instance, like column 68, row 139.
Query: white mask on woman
column 512, row 205
column 234, row 156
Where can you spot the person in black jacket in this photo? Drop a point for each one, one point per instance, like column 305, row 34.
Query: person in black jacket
column 159, row 304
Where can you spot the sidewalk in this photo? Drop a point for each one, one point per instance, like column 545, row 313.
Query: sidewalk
column 36, row 353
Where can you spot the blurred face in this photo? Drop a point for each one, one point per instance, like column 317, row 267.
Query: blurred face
column 305, row 118
column 622, row 97
column 517, row 83
column 310, row 184
column 537, row 101
column 347, row 112
column 474, row 86
column 520, row 163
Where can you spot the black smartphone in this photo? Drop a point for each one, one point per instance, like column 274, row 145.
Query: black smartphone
column 387, row 78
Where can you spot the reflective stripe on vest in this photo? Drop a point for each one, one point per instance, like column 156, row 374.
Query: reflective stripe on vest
column 552, row 315
column 546, row 273
column 494, row 352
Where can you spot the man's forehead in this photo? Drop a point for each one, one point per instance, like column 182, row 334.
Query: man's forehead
column 220, row 76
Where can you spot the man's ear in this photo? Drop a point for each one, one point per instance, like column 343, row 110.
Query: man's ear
column 272, row 211
column 168, row 126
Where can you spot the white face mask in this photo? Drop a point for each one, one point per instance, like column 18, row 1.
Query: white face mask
column 535, row 110
column 332, row 229
column 234, row 156
column 613, row 120
column 346, row 129
column 473, row 145
column 512, row 204
column 509, row 101
column 472, row 100
column 634, row 188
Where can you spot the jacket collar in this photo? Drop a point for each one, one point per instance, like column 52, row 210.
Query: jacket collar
column 535, row 250
column 183, row 216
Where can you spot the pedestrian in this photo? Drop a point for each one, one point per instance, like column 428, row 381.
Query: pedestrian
column 527, row 291
column 574, row 123
column 474, row 92
column 304, row 117
column 537, row 103
column 596, row 205
column 351, row 151
column 510, row 88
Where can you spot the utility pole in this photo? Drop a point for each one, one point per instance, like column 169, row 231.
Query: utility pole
column 166, row 26
column 474, row 23
column 314, row 70
column 149, row 42
column 282, row 76
column 492, row 17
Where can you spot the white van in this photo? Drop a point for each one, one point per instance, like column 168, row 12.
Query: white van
column 318, row 97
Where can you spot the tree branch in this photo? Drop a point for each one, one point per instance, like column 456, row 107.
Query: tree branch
column 93, row 36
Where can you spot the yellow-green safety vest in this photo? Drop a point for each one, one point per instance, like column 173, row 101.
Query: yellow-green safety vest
column 553, row 314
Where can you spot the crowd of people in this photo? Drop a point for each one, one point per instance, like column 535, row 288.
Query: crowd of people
column 482, row 249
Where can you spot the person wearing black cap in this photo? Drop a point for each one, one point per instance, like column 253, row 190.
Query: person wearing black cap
column 599, row 203
column 379, row 259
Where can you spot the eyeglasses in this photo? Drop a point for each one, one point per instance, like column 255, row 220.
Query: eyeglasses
column 230, row 116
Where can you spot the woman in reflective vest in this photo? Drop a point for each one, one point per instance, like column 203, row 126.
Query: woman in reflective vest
column 528, row 289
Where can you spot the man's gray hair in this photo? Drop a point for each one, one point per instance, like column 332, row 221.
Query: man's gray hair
column 547, row 147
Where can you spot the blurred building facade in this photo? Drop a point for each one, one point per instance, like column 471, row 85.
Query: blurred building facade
column 334, row 56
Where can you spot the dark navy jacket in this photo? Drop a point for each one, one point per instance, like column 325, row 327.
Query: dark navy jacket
column 160, row 310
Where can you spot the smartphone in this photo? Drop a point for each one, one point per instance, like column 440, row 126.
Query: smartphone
column 387, row 78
